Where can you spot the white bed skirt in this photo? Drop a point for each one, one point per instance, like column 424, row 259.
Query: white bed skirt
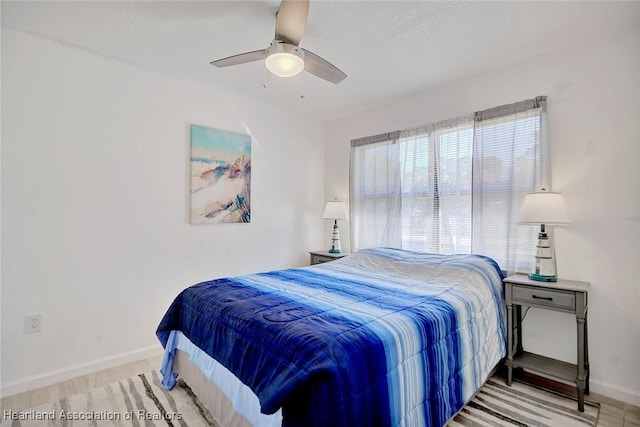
column 230, row 402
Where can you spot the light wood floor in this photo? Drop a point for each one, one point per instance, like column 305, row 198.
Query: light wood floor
column 616, row 413
column 613, row 413
column 54, row 392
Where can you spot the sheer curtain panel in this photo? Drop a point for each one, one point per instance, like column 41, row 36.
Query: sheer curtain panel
column 374, row 196
column 506, row 166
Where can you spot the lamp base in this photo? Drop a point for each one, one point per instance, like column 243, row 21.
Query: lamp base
column 540, row 278
column 336, row 248
column 544, row 267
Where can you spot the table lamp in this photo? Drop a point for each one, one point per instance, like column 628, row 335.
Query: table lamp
column 335, row 210
column 544, row 208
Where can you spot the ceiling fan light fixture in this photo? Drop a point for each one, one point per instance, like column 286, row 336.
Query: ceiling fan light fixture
column 284, row 60
column 284, row 64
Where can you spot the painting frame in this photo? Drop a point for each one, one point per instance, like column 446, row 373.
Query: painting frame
column 220, row 176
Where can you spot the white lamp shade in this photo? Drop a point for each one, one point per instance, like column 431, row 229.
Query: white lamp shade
column 544, row 207
column 335, row 210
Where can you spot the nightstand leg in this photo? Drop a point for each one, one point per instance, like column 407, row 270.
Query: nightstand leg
column 509, row 344
column 586, row 353
column 518, row 316
column 580, row 381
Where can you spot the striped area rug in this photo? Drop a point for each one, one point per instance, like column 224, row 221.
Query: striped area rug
column 496, row 404
column 139, row 401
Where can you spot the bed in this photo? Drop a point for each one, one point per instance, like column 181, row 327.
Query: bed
column 382, row 337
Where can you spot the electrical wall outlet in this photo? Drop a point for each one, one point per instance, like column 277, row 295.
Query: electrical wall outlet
column 32, row 323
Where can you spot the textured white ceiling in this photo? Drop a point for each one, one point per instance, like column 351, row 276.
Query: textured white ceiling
column 388, row 49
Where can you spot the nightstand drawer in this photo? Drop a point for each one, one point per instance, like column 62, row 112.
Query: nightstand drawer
column 544, row 297
column 319, row 259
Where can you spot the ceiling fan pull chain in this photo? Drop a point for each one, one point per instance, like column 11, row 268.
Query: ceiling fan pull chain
column 301, row 85
column 264, row 80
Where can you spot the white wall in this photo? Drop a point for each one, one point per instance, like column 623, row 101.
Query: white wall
column 95, row 233
column 593, row 112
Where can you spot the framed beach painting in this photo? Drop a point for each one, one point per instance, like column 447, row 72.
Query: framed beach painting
column 220, row 176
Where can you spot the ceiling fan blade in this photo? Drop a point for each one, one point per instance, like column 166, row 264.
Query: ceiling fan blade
column 322, row 68
column 242, row 58
column 291, row 20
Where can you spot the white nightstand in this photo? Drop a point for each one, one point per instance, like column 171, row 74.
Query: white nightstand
column 565, row 296
column 318, row 257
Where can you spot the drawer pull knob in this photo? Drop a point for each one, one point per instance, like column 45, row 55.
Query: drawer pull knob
column 544, row 298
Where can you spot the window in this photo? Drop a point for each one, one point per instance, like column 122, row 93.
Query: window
column 436, row 193
column 451, row 187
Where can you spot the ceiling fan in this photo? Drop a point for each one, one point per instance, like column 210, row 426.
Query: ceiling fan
column 284, row 57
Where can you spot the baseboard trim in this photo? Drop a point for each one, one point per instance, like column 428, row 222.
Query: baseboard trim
column 616, row 392
column 59, row 375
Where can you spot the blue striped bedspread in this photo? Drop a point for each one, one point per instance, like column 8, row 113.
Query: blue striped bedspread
column 382, row 337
